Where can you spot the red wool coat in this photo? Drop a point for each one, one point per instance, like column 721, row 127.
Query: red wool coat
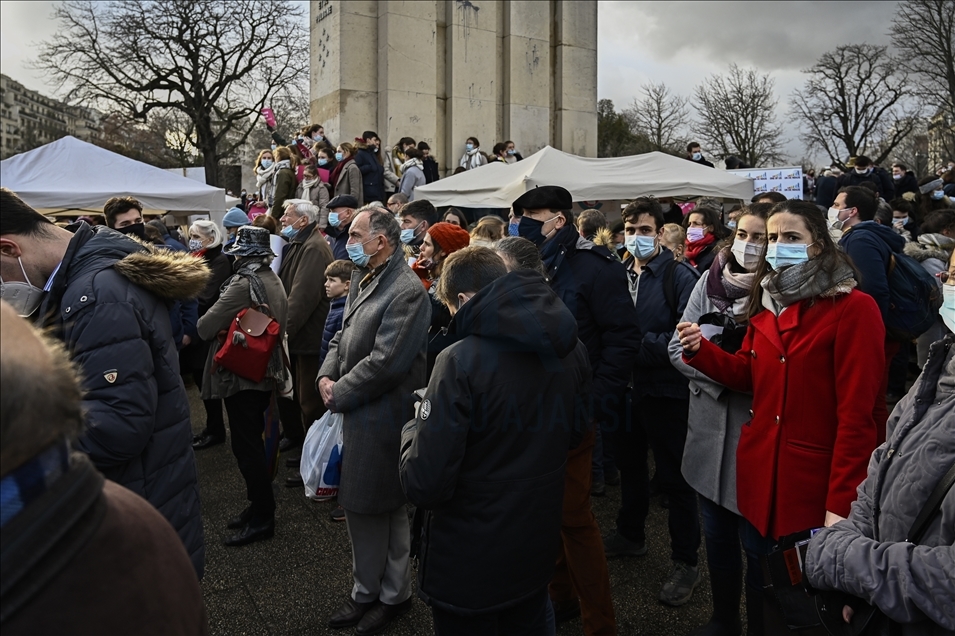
column 814, row 372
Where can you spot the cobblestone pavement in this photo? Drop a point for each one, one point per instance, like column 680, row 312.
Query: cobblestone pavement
column 293, row 582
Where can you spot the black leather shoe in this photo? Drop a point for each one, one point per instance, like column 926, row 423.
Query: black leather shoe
column 349, row 614
column 286, row 444
column 293, row 462
column 294, row 482
column 240, row 520
column 380, row 616
column 251, row 534
column 206, row 441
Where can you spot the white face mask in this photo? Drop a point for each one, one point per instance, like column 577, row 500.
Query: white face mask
column 748, row 255
column 834, row 222
column 947, row 310
column 24, row 298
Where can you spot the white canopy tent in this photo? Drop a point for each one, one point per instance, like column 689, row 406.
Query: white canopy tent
column 497, row 185
column 72, row 176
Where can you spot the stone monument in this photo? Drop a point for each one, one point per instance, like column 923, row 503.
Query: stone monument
column 445, row 70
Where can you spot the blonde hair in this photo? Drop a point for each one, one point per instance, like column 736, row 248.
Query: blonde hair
column 489, row 228
column 674, row 236
column 347, row 148
column 282, row 153
column 258, row 160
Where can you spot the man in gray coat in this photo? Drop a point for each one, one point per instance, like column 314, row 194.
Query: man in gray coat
column 374, row 365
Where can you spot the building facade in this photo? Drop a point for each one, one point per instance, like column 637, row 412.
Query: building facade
column 441, row 71
column 29, row 119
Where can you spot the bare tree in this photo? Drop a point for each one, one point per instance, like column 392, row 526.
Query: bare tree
column 738, row 116
column 855, row 102
column 218, row 62
column 615, row 136
column 661, row 116
column 924, row 32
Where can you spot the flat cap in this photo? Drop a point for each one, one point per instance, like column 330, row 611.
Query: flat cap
column 343, row 201
column 543, row 197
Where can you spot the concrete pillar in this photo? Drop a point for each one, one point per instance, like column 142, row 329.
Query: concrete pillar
column 344, row 66
column 575, row 77
column 407, row 70
column 473, row 54
column 529, row 83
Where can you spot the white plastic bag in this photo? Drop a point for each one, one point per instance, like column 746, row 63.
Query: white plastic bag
column 321, row 464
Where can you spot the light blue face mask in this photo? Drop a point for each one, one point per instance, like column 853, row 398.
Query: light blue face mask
column 333, row 219
column 356, row 252
column 783, row 254
column 266, row 163
column 407, row 236
column 289, row 232
column 469, row 147
column 339, row 156
column 322, row 161
column 938, row 194
column 641, row 247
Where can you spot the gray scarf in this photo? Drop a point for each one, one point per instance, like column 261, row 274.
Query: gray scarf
column 248, row 268
column 791, row 284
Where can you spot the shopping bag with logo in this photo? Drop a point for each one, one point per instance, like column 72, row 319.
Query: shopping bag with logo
column 321, row 464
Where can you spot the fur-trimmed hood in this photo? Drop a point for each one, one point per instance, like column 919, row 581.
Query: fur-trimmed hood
column 605, row 237
column 928, row 246
column 165, row 273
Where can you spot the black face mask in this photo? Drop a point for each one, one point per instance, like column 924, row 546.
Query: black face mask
column 531, row 230
column 136, row 229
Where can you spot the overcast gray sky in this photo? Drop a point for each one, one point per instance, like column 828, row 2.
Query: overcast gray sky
column 678, row 43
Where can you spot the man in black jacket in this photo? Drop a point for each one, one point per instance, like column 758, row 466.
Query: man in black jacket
column 593, row 285
column 341, row 211
column 865, row 170
column 104, row 295
column 904, row 179
column 486, row 453
column 660, row 288
column 695, row 154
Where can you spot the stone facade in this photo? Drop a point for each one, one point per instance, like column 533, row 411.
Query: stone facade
column 29, row 119
column 445, row 70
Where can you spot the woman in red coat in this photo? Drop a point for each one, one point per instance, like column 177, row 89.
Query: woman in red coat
column 808, row 358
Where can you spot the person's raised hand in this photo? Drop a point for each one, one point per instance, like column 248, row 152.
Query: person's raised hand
column 690, row 336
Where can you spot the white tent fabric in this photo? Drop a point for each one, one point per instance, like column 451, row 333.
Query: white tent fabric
column 497, row 185
column 70, row 174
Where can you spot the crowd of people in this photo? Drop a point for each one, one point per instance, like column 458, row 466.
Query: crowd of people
column 493, row 375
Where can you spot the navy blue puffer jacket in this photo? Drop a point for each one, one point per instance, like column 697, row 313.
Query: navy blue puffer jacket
column 372, row 175
column 108, row 304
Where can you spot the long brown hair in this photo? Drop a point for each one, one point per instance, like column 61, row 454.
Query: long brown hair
column 830, row 256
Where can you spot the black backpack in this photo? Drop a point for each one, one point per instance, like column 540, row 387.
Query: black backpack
column 914, row 298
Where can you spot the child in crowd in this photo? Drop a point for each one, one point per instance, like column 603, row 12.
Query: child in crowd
column 674, row 238
column 337, row 282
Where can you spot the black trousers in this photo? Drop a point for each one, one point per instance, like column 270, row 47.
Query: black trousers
column 658, row 423
column 527, row 618
column 195, row 356
column 297, row 415
column 247, row 422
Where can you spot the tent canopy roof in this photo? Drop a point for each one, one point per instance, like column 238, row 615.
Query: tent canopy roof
column 70, row 174
column 497, row 185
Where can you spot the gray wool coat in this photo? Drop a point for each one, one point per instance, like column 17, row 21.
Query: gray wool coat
column 717, row 416
column 867, row 555
column 377, row 361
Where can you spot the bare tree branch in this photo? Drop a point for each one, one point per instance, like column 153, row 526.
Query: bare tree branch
column 738, row 116
column 662, row 117
column 217, row 62
column 855, row 102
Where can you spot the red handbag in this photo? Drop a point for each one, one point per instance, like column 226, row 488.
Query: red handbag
column 248, row 345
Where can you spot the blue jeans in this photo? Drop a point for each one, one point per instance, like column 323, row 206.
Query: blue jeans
column 755, row 545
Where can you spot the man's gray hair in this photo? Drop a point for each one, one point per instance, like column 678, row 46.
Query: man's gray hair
column 303, row 207
column 382, row 221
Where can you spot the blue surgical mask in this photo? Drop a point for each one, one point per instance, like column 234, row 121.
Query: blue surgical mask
column 731, row 224
column 266, row 163
column 274, row 147
column 322, row 161
column 697, row 156
column 317, row 137
column 897, row 177
column 947, row 310
column 938, row 194
column 356, row 252
column 512, row 229
column 785, row 254
column 641, row 247
column 512, row 151
column 407, row 236
column 469, row 147
column 339, row 156
column 289, row 232
column 333, row 219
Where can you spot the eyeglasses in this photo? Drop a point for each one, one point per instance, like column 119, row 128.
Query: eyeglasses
column 945, row 277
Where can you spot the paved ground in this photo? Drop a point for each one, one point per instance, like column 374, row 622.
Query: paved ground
column 292, row 583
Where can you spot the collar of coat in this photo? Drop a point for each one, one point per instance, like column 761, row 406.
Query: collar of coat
column 385, row 271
